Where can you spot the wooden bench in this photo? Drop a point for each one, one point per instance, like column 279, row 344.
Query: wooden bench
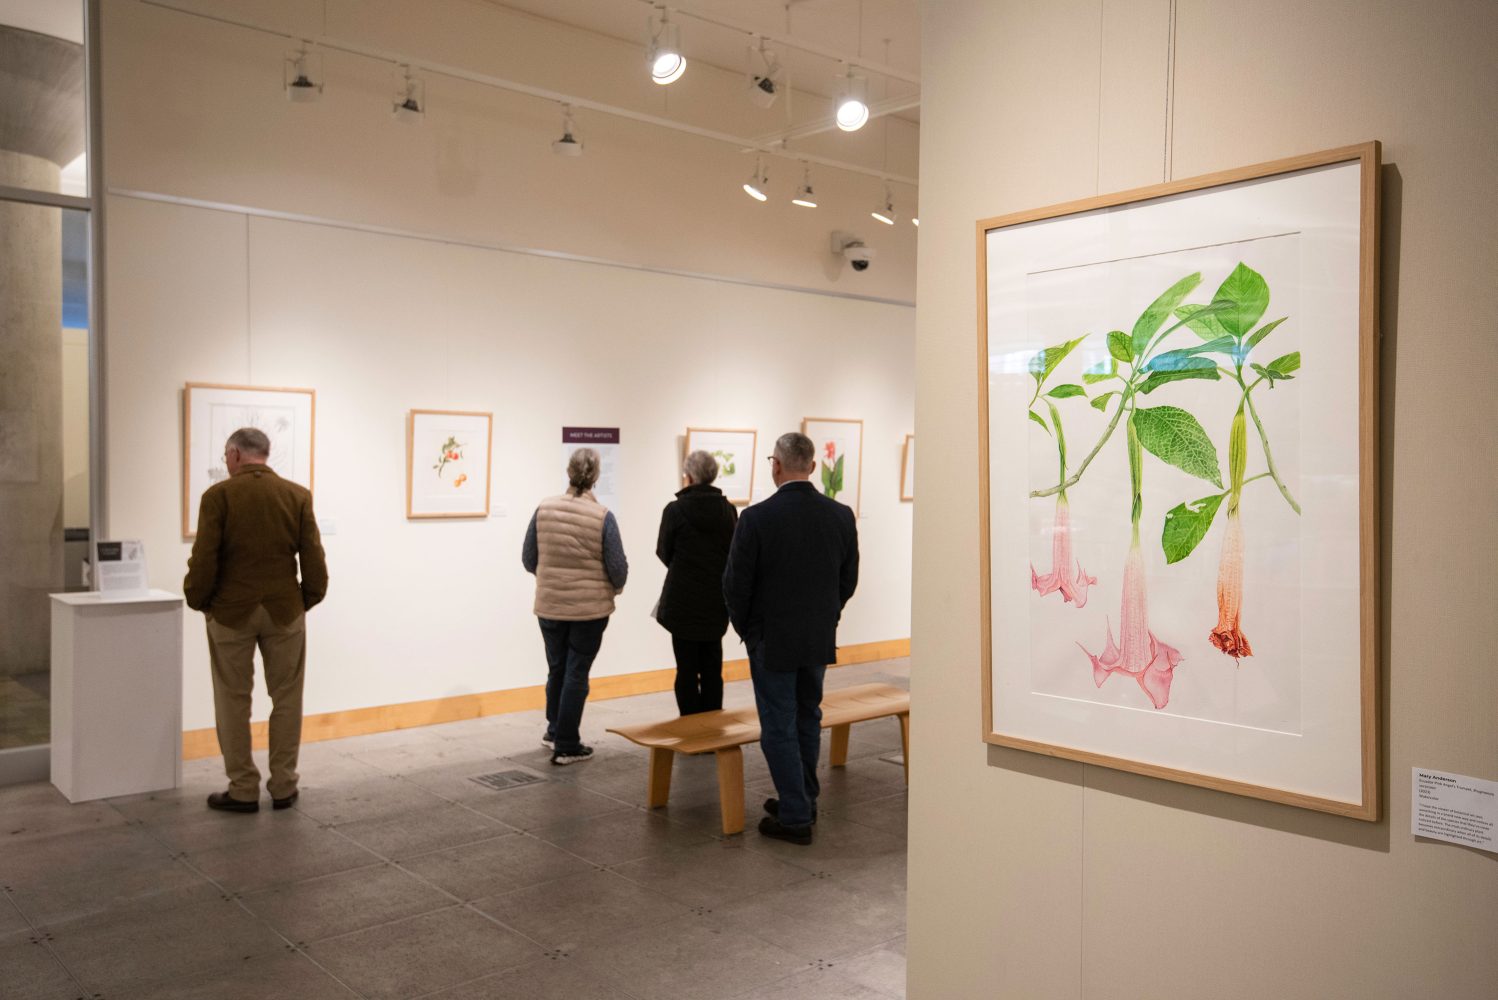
column 725, row 732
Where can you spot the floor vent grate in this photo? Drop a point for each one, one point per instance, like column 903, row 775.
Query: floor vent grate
column 501, row 780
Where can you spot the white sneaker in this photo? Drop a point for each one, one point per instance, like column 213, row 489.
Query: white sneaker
column 549, row 743
column 575, row 757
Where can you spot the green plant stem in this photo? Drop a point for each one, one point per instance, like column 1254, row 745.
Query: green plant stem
column 1269, row 454
column 1070, row 481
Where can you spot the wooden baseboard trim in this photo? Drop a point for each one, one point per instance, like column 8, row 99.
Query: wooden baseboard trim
column 198, row 743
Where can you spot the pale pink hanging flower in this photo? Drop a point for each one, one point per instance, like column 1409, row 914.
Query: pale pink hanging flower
column 1228, row 636
column 1073, row 587
column 1142, row 656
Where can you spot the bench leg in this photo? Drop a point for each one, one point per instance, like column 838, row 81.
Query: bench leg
column 905, row 743
column 660, row 776
column 839, row 755
column 731, row 789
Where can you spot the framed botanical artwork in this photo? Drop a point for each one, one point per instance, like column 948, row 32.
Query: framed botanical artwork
column 907, row 469
column 839, row 452
column 1178, row 473
column 735, row 451
column 211, row 412
column 447, row 463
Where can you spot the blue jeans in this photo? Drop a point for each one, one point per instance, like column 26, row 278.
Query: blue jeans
column 570, row 649
column 790, row 724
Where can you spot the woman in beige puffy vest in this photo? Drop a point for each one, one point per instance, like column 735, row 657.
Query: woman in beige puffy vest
column 574, row 549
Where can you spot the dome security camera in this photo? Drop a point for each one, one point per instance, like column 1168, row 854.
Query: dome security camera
column 853, row 250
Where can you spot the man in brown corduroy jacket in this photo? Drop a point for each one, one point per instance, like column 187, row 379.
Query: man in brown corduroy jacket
column 254, row 530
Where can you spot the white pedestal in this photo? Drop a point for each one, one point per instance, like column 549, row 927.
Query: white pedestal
column 116, row 694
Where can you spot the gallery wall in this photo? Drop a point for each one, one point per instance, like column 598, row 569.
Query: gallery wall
column 1042, row 878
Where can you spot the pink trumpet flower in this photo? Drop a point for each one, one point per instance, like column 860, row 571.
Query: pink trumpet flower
column 1143, row 657
column 1227, row 636
column 1073, row 588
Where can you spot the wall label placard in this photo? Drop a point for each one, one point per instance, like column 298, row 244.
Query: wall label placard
column 605, row 441
column 1456, row 808
column 120, row 567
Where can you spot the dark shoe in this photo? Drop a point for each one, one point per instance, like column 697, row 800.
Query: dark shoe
column 563, row 758
column 770, row 827
column 287, row 802
column 221, row 800
column 772, row 806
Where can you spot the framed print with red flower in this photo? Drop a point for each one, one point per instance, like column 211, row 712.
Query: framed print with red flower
column 447, row 463
column 1178, row 474
column 839, row 454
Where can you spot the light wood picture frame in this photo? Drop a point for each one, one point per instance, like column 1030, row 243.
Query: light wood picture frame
column 211, row 411
column 839, row 456
column 907, row 469
column 448, row 460
column 1278, row 701
column 736, row 450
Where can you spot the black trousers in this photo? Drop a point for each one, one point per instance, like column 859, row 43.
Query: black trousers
column 699, row 674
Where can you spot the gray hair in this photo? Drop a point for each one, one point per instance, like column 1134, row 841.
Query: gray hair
column 700, row 467
column 796, row 452
column 582, row 470
column 250, row 441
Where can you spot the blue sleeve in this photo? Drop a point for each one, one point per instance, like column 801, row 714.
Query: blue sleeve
column 614, row 562
column 530, row 552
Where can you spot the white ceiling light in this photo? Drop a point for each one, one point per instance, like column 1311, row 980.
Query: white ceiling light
column 301, row 75
column 765, row 77
column 567, row 145
column 758, row 182
column 410, row 104
column 885, row 213
column 805, row 197
column 852, row 111
column 667, row 64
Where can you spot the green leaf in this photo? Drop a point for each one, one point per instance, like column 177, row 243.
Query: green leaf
column 1270, row 374
column 1101, row 372
column 1157, row 379
column 1186, row 525
column 1174, row 361
column 1118, row 346
column 1173, row 436
column 1040, row 420
column 1045, row 362
column 1066, row 391
column 1203, row 321
column 1263, row 332
column 1285, row 366
column 1153, row 318
column 1060, row 433
column 837, row 476
column 1243, row 296
column 1101, row 403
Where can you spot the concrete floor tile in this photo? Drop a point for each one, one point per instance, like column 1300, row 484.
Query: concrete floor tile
column 689, row 958
column 494, row 866
column 277, row 976
column 819, row 919
column 423, row 953
column 410, row 832
column 555, row 978
column 184, row 823
column 11, row 921
column 616, row 837
column 78, row 855
column 28, row 971
column 361, row 799
column 712, row 875
column 424, row 756
column 881, row 970
column 531, row 806
column 816, row 984
column 838, row 846
column 887, row 814
column 38, row 811
column 305, row 852
column 592, row 906
column 93, row 889
column 348, row 901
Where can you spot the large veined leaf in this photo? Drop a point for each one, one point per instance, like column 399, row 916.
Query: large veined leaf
column 1186, row 357
column 1186, row 525
column 1242, row 298
column 1157, row 379
column 1202, row 320
column 1119, row 346
column 1045, row 362
column 1175, row 437
column 1154, row 317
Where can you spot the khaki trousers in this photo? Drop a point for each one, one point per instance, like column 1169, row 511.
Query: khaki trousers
column 283, row 650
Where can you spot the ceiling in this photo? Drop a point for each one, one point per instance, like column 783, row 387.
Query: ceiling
column 884, row 32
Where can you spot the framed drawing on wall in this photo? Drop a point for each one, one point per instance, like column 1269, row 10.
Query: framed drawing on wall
column 735, row 451
column 211, row 412
column 447, row 463
column 1178, row 473
column 839, row 454
column 907, row 469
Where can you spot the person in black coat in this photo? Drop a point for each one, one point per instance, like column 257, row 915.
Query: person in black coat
column 696, row 529
column 791, row 570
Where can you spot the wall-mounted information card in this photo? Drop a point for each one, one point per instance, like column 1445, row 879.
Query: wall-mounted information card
column 1454, row 808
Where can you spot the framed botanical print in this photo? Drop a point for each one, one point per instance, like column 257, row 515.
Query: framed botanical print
column 907, row 469
column 447, row 463
column 211, row 412
column 839, row 455
column 735, row 451
column 1178, row 473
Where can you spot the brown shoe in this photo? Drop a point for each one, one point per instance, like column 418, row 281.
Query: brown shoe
column 285, row 803
column 225, row 802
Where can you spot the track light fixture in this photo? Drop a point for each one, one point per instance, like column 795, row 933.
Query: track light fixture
column 852, row 111
column 915, row 221
column 764, row 76
column 667, row 64
column 301, row 75
column 567, row 145
column 805, row 197
column 758, row 182
column 410, row 104
column 885, row 213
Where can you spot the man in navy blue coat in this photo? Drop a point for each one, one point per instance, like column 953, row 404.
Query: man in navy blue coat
column 792, row 568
